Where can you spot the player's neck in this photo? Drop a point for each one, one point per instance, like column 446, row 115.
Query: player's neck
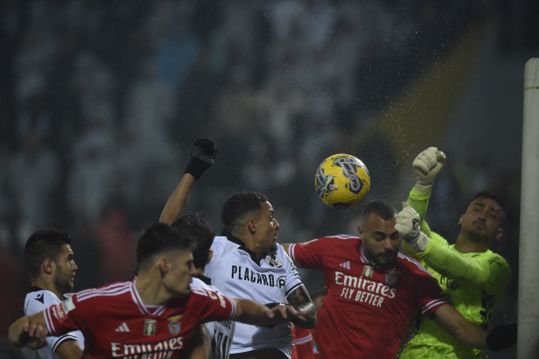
column 151, row 290
column 47, row 284
column 249, row 243
column 465, row 245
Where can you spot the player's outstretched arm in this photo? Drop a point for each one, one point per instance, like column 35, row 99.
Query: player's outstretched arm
column 301, row 300
column 28, row 331
column 464, row 331
column 69, row 350
column 203, row 155
column 248, row 311
column 200, row 347
column 499, row 338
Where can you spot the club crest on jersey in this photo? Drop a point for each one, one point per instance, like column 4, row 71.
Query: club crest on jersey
column 274, row 262
column 150, row 327
column 367, row 271
column 174, row 325
column 392, row 277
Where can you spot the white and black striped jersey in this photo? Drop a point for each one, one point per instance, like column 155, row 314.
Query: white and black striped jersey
column 236, row 274
column 37, row 301
column 221, row 332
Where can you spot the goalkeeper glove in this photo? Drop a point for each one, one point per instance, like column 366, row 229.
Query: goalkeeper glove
column 407, row 224
column 203, row 155
column 427, row 165
column 502, row 336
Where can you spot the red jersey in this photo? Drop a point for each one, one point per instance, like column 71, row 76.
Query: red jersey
column 366, row 312
column 116, row 323
column 302, row 344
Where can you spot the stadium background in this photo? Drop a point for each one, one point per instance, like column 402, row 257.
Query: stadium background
column 101, row 100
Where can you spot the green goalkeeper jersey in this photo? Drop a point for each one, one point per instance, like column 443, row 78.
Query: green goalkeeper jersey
column 471, row 281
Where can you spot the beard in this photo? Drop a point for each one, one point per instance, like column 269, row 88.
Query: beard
column 382, row 261
column 477, row 236
column 64, row 285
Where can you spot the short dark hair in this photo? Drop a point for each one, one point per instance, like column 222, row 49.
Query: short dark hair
column 158, row 238
column 44, row 243
column 378, row 207
column 239, row 204
column 487, row 195
column 200, row 231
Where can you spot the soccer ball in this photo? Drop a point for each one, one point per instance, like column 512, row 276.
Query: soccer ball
column 342, row 181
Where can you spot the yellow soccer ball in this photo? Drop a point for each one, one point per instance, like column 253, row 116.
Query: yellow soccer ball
column 342, row 181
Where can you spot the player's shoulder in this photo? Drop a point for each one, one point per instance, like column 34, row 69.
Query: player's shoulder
column 37, row 300
column 104, row 293
column 221, row 245
column 411, row 265
column 199, row 285
column 338, row 241
column 496, row 261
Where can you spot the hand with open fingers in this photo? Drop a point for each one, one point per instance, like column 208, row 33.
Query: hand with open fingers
column 427, row 166
column 408, row 225
column 203, row 155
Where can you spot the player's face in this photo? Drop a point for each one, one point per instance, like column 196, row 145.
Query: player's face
column 482, row 220
column 179, row 273
column 65, row 270
column 266, row 227
column 380, row 240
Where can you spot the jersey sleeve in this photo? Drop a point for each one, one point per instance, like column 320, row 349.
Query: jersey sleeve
column 40, row 301
column 61, row 318
column 293, row 280
column 212, row 305
column 430, row 294
column 308, row 254
column 488, row 270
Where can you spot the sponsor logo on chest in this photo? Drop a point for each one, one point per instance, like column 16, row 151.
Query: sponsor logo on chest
column 249, row 275
column 363, row 290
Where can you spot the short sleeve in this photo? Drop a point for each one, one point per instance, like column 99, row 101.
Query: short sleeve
column 212, row 305
column 307, row 254
column 293, row 280
column 40, row 301
column 430, row 294
column 60, row 318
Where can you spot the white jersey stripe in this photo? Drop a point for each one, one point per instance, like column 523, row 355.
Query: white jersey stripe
column 303, row 340
column 292, row 289
column 107, row 291
column 431, row 304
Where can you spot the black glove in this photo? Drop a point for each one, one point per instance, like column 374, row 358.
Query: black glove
column 202, row 157
column 502, row 336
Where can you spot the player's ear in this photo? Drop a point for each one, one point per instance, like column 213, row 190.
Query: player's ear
column 210, row 255
column 499, row 235
column 251, row 226
column 460, row 220
column 48, row 265
column 163, row 266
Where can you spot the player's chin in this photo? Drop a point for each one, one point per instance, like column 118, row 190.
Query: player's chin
column 386, row 261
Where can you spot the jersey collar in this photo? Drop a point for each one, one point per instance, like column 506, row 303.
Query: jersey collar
column 242, row 246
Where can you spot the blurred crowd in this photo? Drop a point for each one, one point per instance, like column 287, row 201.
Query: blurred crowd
column 101, row 101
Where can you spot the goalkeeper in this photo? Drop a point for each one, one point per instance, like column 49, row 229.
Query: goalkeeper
column 470, row 274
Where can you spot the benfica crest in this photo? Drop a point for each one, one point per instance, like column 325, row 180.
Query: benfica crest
column 392, row 277
column 174, row 325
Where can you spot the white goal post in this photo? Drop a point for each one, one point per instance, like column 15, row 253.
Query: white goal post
column 528, row 283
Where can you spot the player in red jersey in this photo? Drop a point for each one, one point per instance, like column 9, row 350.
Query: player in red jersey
column 373, row 291
column 153, row 316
